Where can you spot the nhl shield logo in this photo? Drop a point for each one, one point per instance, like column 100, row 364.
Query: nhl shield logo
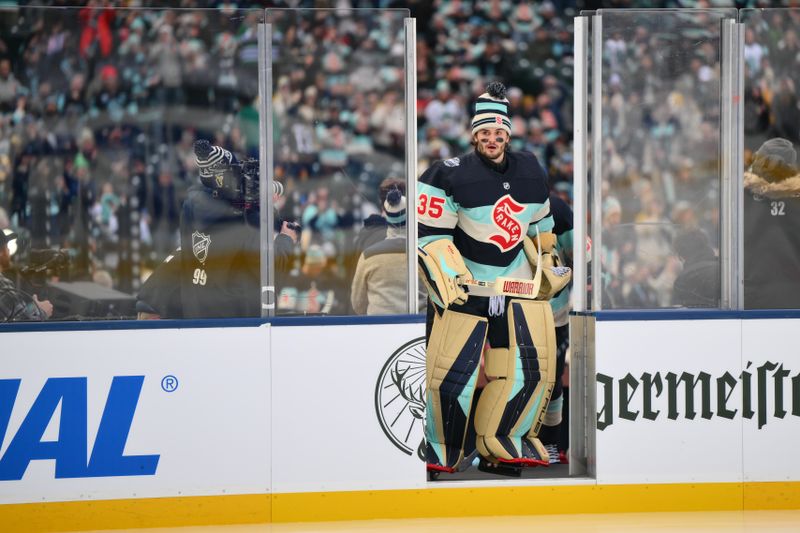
column 400, row 398
column 200, row 244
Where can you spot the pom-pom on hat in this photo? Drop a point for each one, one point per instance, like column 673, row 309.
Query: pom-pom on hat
column 395, row 207
column 491, row 109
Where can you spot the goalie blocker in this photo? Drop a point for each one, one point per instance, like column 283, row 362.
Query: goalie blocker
column 441, row 265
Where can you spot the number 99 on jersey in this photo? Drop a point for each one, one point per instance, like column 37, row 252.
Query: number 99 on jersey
column 199, row 277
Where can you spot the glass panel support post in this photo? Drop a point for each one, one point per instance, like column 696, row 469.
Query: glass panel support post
column 731, row 176
column 579, row 122
column 738, row 174
column 597, row 160
column 265, row 170
column 411, row 162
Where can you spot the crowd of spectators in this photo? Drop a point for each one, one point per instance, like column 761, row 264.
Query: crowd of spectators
column 661, row 132
column 100, row 106
column 661, row 149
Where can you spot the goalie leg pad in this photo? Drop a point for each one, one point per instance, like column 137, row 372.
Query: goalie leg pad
column 552, row 416
column 452, row 361
column 517, row 398
column 531, row 441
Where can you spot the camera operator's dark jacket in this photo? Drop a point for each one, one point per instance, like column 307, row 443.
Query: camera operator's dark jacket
column 220, row 258
column 771, row 243
column 216, row 273
column 15, row 305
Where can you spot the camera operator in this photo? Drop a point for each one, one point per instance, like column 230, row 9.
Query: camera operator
column 220, row 247
column 287, row 234
column 216, row 271
column 17, row 305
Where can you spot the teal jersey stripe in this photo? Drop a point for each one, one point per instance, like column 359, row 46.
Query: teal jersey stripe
column 561, row 301
column 430, row 190
column 491, row 106
column 427, row 188
column 532, row 209
column 491, row 273
column 556, row 405
column 565, row 241
column 545, row 224
column 483, row 214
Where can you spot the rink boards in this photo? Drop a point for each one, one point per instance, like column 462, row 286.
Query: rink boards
column 320, row 420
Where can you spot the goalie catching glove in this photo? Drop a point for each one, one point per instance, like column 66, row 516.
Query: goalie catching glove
column 441, row 264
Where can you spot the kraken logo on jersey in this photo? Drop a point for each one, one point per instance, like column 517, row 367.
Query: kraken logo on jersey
column 200, row 244
column 503, row 217
column 452, row 162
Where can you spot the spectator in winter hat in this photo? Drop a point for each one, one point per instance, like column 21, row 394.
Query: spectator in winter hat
column 379, row 286
column 771, row 219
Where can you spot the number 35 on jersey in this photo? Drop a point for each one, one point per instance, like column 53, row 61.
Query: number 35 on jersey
column 433, row 206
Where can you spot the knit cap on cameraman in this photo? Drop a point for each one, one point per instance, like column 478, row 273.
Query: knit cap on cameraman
column 223, row 176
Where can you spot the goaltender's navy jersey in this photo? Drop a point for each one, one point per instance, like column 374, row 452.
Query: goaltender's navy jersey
column 486, row 213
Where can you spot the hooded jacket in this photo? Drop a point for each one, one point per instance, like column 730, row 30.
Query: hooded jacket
column 771, row 243
column 379, row 285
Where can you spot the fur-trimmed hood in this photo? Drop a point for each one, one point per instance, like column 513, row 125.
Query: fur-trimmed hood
column 788, row 188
